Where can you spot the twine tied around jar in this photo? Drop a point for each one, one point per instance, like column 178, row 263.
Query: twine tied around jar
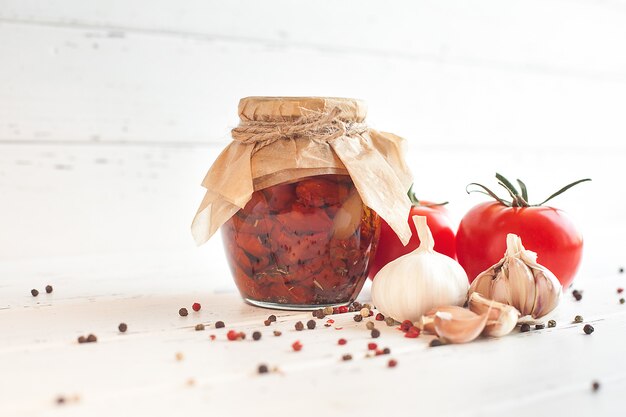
column 314, row 125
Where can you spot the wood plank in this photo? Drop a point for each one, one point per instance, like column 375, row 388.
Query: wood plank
column 95, row 85
column 584, row 38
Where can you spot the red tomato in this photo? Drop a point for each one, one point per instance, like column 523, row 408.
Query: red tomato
column 390, row 247
column 481, row 238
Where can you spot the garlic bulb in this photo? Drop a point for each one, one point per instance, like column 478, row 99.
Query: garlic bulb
column 411, row 285
column 518, row 280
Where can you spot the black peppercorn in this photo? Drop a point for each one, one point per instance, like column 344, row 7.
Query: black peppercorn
column 540, row 326
column 588, row 329
column 358, row 317
column 60, row 400
column 551, row 323
column 34, row 292
column 578, row 319
column 621, row 270
column 219, row 324
column 48, row 289
column 263, row 369
column 82, row 339
column 277, row 333
column 525, row 328
column 595, row 386
column 299, row 326
column 577, row 295
column 375, row 333
column 199, row 327
column 621, row 301
column 92, row 338
column 122, row 327
column 386, row 351
column 272, row 318
column 346, row 357
column 183, row 312
column 256, row 335
column 310, row 324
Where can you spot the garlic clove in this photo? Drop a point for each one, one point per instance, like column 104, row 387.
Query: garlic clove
column 427, row 321
column 456, row 327
column 482, row 283
column 502, row 317
column 500, row 288
column 548, row 292
column 521, row 285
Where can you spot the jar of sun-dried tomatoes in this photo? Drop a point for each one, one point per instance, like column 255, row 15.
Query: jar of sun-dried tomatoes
column 299, row 194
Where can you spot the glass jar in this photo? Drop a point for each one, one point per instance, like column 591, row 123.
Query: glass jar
column 303, row 244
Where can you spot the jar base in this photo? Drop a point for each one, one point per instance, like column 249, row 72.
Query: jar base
column 293, row 307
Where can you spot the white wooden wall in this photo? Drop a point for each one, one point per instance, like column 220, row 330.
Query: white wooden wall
column 111, row 112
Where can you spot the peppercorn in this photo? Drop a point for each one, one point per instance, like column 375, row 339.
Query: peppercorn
column 386, row 351
column 196, row 306
column 299, row 326
column 356, row 305
column 351, row 309
column 60, row 400
column 310, row 324
column 525, row 328
column 277, row 333
column 375, row 333
column 212, row 337
column 577, row 295
column 621, row 301
column 342, row 341
column 199, row 326
column 540, row 326
column 620, row 290
column 256, row 335
column 328, row 310
column 390, row 321
column 380, row 317
column 232, row 335
column 267, row 322
column 263, row 369
column 372, row 346
column 48, row 289
column 406, row 325
column 392, row 363
column 34, row 292
column 346, row 357
column 82, row 339
column 183, row 312
column 368, row 306
column 621, row 270
column 588, row 329
column 179, row 356
column 435, row 343
column 412, row 333
column 358, row 317
column 551, row 323
column 365, row 312
column 296, row 346
column 578, row 319
column 122, row 327
column 219, row 324
column 319, row 314
column 91, row 338
column 370, row 325
column 342, row 309
column 595, row 386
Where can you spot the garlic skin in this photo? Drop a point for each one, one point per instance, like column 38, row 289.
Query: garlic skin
column 417, row 282
column 502, row 318
column 519, row 281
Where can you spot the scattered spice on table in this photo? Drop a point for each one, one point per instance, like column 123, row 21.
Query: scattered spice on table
column 588, row 329
column 358, row 317
column 91, row 338
column 365, row 312
column 346, row 357
column 219, row 324
column 595, row 386
column 267, row 322
column 48, row 289
column 310, row 324
column 263, row 369
column 34, row 292
column 380, row 317
column 179, row 356
column 342, row 341
column 272, row 318
column 328, row 311
column 413, row 332
column 435, row 343
column 406, row 325
column 233, row 335
column 577, row 295
column 277, row 333
column 60, row 400
column 392, row 363
column 386, row 351
column 540, row 326
column 524, row 328
column 191, row 382
column 621, row 270
column 372, row 346
column 212, row 337
column 256, row 335
column 122, row 327
column 390, row 321
column 199, row 327
column 551, row 323
column 196, row 306
column 296, row 346
column 343, row 309
column 370, row 325
column 183, row 312
column 82, row 339
column 578, row 319
column 299, row 326
column 621, row 301
column 375, row 333
column 620, row 290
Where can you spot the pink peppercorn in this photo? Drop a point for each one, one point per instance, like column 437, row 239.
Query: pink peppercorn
column 297, row 346
column 620, row 290
column 343, row 309
column 392, row 363
column 196, row 306
column 380, row 317
column 342, row 341
column 412, row 333
column 372, row 346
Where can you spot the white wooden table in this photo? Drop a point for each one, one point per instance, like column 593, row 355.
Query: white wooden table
column 544, row 372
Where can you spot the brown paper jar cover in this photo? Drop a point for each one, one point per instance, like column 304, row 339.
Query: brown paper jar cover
column 283, row 139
